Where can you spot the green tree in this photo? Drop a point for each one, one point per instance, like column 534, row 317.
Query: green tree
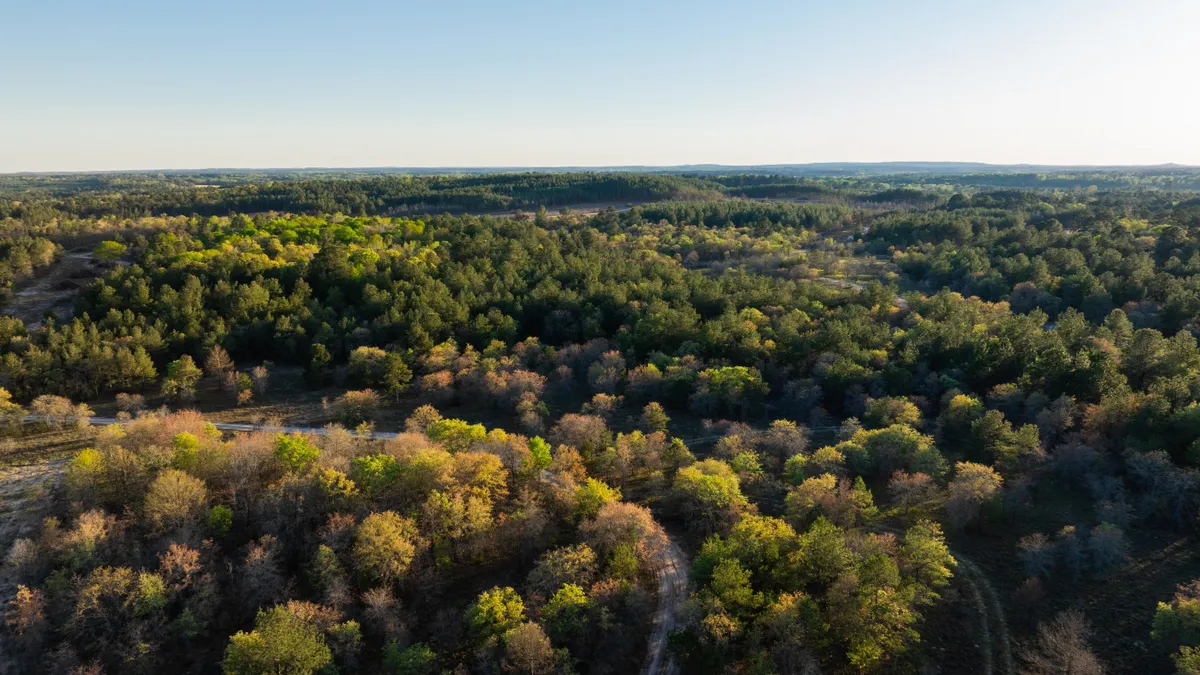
column 654, row 418
column 395, row 376
column 417, row 659
column 318, row 364
column 823, row 553
column 280, row 644
column 384, row 546
column 149, row 594
column 954, row 424
column 995, row 440
column 710, row 493
column 1177, row 623
column 565, row 614
column 295, row 452
column 539, row 457
column 736, row 387
column 926, row 558
column 220, row 520
column 109, row 251
column 593, row 495
column 456, row 435
column 181, row 379
column 494, row 613
column 884, row 412
column 731, row 584
column 374, row 473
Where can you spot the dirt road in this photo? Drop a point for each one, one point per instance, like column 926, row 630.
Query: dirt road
column 900, row 302
column 52, row 288
column 672, row 590
column 228, row 426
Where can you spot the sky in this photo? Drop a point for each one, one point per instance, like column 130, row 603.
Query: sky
column 116, row 85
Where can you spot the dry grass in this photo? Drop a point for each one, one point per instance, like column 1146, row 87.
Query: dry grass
column 33, row 445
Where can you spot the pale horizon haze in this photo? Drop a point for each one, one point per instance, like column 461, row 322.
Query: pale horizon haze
column 109, row 85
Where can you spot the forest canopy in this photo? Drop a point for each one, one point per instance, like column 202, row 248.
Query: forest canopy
column 802, row 391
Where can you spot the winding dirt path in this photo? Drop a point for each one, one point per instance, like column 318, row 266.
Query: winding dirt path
column 672, row 590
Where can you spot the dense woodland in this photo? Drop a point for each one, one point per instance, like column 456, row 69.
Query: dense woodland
column 816, row 386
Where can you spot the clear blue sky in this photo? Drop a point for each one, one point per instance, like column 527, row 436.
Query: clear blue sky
column 106, row 84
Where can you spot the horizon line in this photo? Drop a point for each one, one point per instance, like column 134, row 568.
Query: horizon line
column 501, row 168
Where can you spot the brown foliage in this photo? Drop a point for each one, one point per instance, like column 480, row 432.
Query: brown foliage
column 623, row 523
column 528, row 650
column 179, row 565
column 586, row 433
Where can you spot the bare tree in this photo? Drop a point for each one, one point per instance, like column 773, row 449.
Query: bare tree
column 1117, row 511
column 608, row 373
column 1028, row 596
column 1037, row 553
column 260, row 376
column 421, row 418
column 261, row 581
column 56, row 411
column 1074, row 462
column 383, row 614
column 1061, row 648
column 131, row 403
column 586, row 433
column 1069, row 548
column 1108, row 547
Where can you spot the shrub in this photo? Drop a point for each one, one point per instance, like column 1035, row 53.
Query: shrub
column 354, row 407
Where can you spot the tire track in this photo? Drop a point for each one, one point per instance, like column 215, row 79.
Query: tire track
column 997, row 644
column 993, row 625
